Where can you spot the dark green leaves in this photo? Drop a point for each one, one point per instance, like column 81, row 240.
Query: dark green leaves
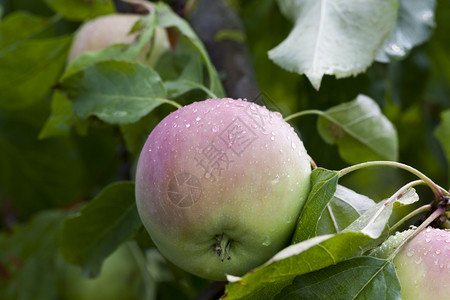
column 20, row 26
column 345, row 207
column 307, row 256
column 36, row 174
column 79, row 10
column 117, row 92
column 101, row 226
column 169, row 19
column 29, row 259
column 360, row 130
column 370, row 278
column 31, row 61
column 323, row 186
column 442, row 133
column 61, row 119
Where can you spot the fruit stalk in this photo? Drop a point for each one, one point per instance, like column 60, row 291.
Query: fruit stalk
column 434, row 187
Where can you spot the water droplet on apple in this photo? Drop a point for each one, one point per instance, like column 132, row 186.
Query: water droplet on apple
column 276, row 179
column 267, row 241
column 188, row 125
column 277, row 114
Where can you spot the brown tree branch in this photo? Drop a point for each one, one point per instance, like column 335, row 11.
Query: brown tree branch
column 220, row 29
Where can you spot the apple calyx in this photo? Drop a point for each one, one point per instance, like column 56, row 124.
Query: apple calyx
column 222, row 246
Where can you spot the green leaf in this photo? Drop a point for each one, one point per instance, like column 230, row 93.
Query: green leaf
column 415, row 24
column 111, row 218
column 36, row 174
column 374, row 221
column 136, row 134
column 338, row 38
column 179, row 87
column 61, row 119
column 360, row 130
column 167, row 18
column 117, row 92
column 20, row 26
column 79, row 10
column 356, row 278
column 323, row 187
column 27, row 76
column 442, row 133
column 29, row 257
column 316, row 253
column 345, row 207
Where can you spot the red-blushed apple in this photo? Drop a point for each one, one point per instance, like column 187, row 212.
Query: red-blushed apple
column 108, row 30
column 423, row 264
column 220, row 184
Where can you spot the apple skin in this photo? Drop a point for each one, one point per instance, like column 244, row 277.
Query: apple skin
column 108, row 30
column 220, row 184
column 422, row 265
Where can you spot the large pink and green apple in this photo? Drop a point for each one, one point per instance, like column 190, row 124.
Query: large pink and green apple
column 220, row 184
column 422, row 265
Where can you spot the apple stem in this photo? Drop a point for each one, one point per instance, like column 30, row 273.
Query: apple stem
column 173, row 103
column 312, row 162
column 409, row 216
column 303, row 113
column 439, row 211
column 438, row 191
